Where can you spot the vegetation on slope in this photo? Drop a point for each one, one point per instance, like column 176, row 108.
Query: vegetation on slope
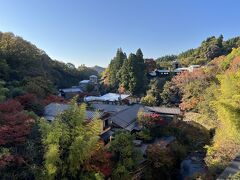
column 209, row 49
column 23, row 65
column 211, row 97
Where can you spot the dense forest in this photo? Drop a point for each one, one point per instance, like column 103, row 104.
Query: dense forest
column 209, row 49
column 24, row 67
column 126, row 74
column 69, row 148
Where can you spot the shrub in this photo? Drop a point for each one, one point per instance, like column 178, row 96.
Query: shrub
column 144, row 135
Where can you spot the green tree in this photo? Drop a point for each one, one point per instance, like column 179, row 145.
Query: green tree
column 133, row 79
column 69, row 142
column 209, row 49
column 126, row 155
column 153, row 97
column 149, row 99
column 133, row 74
column 125, row 74
column 114, row 67
column 227, row 138
column 39, row 86
column 170, row 94
column 165, row 62
column 141, row 73
column 3, row 91
column 4, row 69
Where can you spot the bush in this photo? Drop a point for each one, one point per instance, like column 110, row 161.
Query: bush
column 145, row 135
column 149, row 100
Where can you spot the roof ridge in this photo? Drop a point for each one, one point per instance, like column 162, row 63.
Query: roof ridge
column 129, row 108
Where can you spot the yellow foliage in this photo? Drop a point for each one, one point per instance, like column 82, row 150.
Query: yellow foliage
column 226, row 143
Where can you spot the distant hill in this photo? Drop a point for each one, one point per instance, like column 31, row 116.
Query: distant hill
column 98, row 69
column 20, row 60
column 209, row 49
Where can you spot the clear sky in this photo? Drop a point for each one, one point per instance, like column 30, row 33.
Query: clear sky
column 89, row 31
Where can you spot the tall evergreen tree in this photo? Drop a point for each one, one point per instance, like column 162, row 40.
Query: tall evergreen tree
column 141, row 72
column 133, row 74
column 133, row 79
column 139, row 54
column 124, row 75
column 114, row 67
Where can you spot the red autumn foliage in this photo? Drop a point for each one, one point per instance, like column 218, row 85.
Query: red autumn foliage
column 15, row 124
column 153, row 119
column 185, row 77
column 15, row 127
column 53, row 99
column 11, row 106
column 191, row 85
column 106, row 168
column 27, row 99
column 31, row 102
column 101, row 161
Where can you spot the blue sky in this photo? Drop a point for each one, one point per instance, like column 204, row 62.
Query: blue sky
column 89, row 31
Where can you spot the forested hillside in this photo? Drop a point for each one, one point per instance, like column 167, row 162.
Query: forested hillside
column 210, row 96
column 209, row 49
column 23, row 64
column 29, row 79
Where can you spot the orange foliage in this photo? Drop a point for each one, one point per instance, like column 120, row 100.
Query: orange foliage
column 188, row 105
column 185, row 77
column 234, row 65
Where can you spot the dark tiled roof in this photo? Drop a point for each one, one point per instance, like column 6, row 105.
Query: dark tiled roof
column 133, row 126
column 53, row 109
column 164, row 110
column 126, row 117
column 109, row 107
